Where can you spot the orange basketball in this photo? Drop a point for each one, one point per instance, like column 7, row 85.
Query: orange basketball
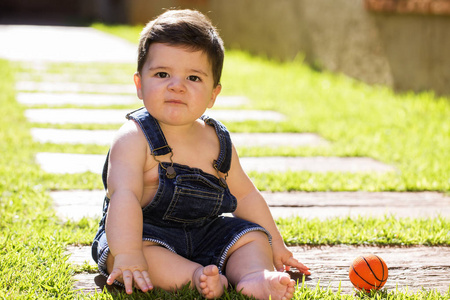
column 368, row 272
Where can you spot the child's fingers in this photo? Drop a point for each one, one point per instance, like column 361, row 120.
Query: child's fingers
column 142, row 280
column 304, row 269
column 293, row 262
column 128, row 281
column 147, row 279
column 116, row 273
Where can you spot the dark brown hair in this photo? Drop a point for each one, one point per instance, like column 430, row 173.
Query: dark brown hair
column 185, row 28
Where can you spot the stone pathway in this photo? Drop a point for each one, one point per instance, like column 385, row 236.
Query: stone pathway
column 74, row 87
column 415, row 267
column 63, row 44
column 410, row 269
column 323, row 205
column 54, row 99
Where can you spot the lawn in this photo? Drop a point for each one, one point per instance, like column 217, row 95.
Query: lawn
column 409, row 131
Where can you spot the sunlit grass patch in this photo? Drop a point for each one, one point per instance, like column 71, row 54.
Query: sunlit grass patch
column 366, row 231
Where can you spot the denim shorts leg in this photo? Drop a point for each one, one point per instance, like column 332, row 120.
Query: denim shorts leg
column 213, row 241
column 102, row 249
column 206, row 243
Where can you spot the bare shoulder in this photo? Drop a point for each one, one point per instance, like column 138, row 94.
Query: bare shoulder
column 128, row 131
column 129, row 143
column 128, row 160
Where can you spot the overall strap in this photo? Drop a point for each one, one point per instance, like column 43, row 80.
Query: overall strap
column 155, row 137
column 152, row 131
column 223, row 162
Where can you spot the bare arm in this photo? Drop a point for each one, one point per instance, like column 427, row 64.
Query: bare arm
column 252, row 207
column 124, row 219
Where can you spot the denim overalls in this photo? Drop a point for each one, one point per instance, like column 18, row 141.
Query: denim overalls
column 185, row 214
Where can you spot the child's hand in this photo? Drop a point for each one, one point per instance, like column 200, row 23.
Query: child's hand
column 283, row 257
column 132, row 268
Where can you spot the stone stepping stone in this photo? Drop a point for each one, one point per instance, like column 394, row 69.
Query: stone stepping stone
column 58, row 99
column 314, row 164
column 324, row 205
column 74, row 87
column 105, row 137
column 82, row 203
column 77, row 204
column 74, row 74
column 65, row 163
column 274, row 140
column 73, row 136
column 78, row 163
column 117, row 116
column 411, row 269
column 63, row 44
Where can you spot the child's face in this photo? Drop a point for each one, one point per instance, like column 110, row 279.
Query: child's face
column 176, row 84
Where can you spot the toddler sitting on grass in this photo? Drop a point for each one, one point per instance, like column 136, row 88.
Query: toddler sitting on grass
column 172, row 172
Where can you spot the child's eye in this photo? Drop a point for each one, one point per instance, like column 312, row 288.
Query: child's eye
column 194, row 78
column 162, row 75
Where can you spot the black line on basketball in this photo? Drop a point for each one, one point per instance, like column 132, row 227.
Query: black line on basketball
column 361, row 277
column 382, row 265
column 370, row 268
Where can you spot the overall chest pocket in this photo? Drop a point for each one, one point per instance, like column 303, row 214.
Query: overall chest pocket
column 195, row 198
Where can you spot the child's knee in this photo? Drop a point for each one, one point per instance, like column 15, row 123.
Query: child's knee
column 251, row 237
column 255, row 236
column 146, row 244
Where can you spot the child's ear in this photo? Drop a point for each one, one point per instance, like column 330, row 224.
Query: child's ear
column 138, row 83
column 216, row 91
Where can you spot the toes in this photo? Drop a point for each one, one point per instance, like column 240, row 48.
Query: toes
column 209, row 282
column 203, row 285
column 292, row 283
column 285, row 280
column 211, row 270
column 205, row 291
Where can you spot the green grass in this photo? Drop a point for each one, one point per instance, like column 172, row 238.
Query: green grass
column 409, row 131
column 303, row 292
column 28, row 224
column 365, row 231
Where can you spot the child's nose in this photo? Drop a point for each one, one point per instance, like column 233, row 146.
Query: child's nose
column 176, row 85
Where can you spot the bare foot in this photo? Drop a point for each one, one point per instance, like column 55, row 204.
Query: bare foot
column 266, row 284
column 209, row 282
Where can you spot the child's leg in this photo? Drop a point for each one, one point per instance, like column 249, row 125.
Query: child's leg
column 170, row 271
column 250, row 268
